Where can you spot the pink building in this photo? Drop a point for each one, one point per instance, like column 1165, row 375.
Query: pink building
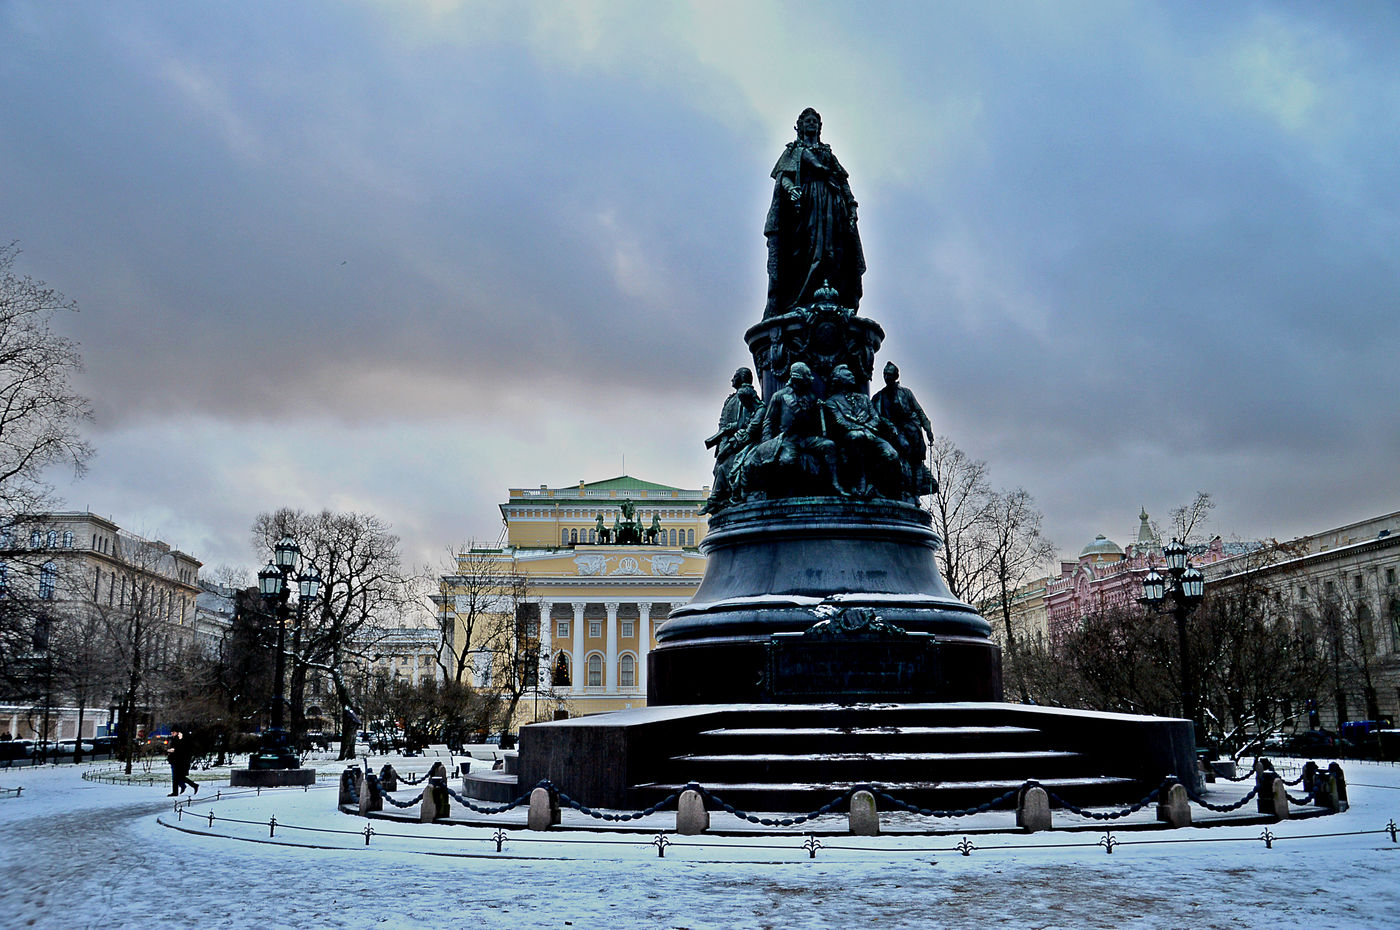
column 1106, row 576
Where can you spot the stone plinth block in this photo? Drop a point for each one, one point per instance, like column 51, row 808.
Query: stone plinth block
column 349, row 783
column 1336, row 772
column 435, row 801
column 544, row 809
column 1325, row 792
column 439, row 770
column 1174, row 807
column 1033, row 812
column 691, row 817
column 865, row 818
column 272, row 778
column 370, row 798
column 1273, row 795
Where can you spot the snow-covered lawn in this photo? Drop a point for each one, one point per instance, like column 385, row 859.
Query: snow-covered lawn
column 79, row 854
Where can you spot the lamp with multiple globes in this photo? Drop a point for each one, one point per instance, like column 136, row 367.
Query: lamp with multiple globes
column 1185, row 587
column 274, row 584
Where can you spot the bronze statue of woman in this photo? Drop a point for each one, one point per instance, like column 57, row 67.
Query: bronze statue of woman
column 811, row 225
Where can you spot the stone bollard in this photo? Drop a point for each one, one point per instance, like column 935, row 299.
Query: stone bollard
column 1273, row 795
column 1325, row 792
column 435, row 801
column 1174, row 806
column 864, row 816
column 691, row 817
column 370, row 798
column 544, row 809
column 349, row 784
column 1262, row 764
column 1336, row 772
column 437, row 771
column 388, row 778
column 1033, row 810
column 1309, row 776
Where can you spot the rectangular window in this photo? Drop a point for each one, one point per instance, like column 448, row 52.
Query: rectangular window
column 1390, row 576
column 1302, row 591
column 629, row 629
column 595, row 628
column 1329, row 588
column 561, row 629
column 1356, row 582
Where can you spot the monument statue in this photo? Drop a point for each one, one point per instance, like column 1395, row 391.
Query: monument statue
column 627, row 529
column 795, row 455
column 870, row 466
column 732, row 435
column 653, row 531
column 897, row 405
column 603, row 533
column 811, row 227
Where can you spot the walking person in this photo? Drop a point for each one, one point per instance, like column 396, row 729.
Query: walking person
column 179, row 753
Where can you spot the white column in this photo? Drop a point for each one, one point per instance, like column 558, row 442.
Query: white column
column 546, row 641
column 643, row 643
column 610, row 657
column 578, row 668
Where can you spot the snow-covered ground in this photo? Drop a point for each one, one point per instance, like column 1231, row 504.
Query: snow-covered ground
column 79, row 854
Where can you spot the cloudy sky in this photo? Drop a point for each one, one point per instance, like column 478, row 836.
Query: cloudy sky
column 400, row 256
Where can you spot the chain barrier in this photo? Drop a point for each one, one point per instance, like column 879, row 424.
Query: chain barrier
column 407, row 780
column 926, row 812
column 1304, row 800
column 402, row 804
column 1105, row 815
column 466, row 802
column 776, row 821
column 663, row 804
column 1226, row 808
column 1296, row 781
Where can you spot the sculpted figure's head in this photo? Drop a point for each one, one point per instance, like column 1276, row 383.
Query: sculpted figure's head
column 741, row 377
column 809, row 125
column 842, row 380
column 800, row 376
column 891, row 373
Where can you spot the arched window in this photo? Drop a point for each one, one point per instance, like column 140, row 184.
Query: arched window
column 51, row 539
column 563, row 537
column 1395, row 625
column 573, row 536
column 627, row 672
column 690, row 537
column 35, row 538
column 673, row 539
column 48, row 580
column 561, row 671
column 595, row 670
column 593, row 535
column 68, row 539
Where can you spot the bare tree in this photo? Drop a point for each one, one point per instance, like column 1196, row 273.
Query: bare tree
column 40, row 413
column 960, row 510
column 363, row 588
column 469, row 602
column 1016, row 550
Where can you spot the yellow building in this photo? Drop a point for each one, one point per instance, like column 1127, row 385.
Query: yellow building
column 585, row 612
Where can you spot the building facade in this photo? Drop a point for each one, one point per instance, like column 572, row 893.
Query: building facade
column 74, row 583
column 584, row 612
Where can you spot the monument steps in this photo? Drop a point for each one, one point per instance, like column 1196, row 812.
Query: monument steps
column 755, row 797
column 873, row 739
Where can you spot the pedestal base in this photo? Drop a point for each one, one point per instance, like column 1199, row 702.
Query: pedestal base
column 272, row 778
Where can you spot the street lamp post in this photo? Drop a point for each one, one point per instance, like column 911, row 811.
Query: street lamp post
column 274, row 583
column 1185, row 587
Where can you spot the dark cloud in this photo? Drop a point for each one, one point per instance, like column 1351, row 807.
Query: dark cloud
column 1123, row 252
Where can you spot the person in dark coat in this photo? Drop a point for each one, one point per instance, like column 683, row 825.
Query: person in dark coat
column 179, row 754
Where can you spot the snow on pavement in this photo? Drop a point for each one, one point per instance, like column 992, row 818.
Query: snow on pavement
column 78, row 854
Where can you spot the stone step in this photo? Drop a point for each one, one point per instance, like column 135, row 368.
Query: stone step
column 799, row 796
column 956, row 731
